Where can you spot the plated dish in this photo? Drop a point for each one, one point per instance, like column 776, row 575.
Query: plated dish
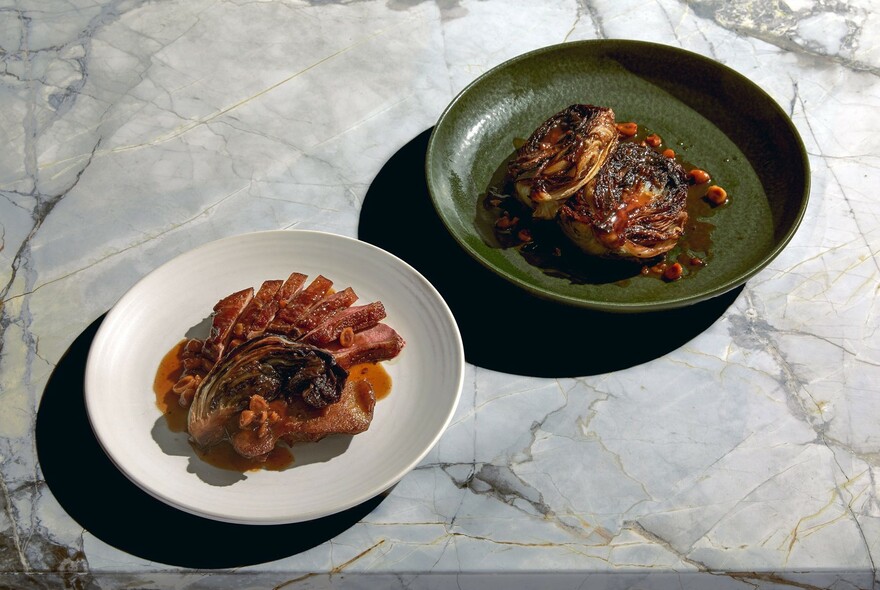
column 712, row 118
column 336, row 472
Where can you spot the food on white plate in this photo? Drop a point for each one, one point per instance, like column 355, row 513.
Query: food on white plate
column 280, row 365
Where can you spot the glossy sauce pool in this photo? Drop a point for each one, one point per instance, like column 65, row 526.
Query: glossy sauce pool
column 223, row 455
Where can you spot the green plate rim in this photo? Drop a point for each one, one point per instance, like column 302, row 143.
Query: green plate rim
column 613, row 306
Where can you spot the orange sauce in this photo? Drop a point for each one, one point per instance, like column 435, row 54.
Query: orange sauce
column 170, row 369
column 376, row 375
column 223, row 455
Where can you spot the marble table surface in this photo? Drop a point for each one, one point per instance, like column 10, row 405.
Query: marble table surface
column 746, row 455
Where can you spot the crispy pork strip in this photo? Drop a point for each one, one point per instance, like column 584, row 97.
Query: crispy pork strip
column 373, row 345
column 358, row 317
column 326, row 308
column 254, row 315
column 292, row 285
column 288, row 290
column 285, row 320
column 226, row 312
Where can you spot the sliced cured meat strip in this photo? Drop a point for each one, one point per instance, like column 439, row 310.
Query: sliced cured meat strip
column 259, row 323
column 358, row 317
column 226, row 313
column 326, row 308
column 373, row 345
column 253, row 319
column 292, row 285
column 285, row 320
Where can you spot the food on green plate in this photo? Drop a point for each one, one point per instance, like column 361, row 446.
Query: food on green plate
column 561, row 156
column 611, row 190
column 635, row 207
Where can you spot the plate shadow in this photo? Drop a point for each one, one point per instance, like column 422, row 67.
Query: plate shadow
column 107, row 504
column 503, row 327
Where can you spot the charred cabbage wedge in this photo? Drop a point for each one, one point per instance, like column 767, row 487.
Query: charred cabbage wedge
column 561, row 156
column 271, row 367
column 634, row 208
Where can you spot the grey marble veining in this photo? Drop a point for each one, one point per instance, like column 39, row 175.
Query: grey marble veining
column 133, row 131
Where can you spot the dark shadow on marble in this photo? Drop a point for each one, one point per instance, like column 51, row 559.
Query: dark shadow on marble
column 101, row 499
column 503, row 327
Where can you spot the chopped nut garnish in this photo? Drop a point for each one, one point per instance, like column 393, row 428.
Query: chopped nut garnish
column 627, row 129
column 245, row 418
column 673, row 272
column 346, row 338
column 716, row 195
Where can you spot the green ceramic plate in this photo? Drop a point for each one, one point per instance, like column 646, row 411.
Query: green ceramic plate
column 712, row 116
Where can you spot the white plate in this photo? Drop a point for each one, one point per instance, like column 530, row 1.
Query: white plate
column 328, row 476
